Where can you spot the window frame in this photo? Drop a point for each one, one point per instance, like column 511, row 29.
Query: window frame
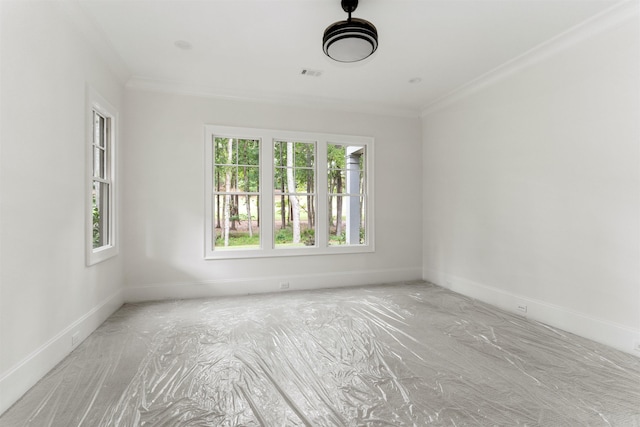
column 215, row 192
column 267, row 138
column 96, row 104
column 286, row 192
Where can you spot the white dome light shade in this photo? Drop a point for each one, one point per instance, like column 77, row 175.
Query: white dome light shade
column 350, row 41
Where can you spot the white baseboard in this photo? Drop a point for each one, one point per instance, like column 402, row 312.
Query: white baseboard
column 244, row 286
column 612, row 334
column 19, row 379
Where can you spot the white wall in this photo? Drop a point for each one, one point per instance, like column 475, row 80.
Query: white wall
column 164, row 195
column 531, row 193
column 46, row 292
column 532, row 184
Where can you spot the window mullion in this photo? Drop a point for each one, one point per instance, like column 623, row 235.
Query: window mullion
column 210, row 191
column 322, row 202
column 267, row 233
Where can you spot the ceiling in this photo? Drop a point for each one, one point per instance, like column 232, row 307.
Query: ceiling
column 256, row 49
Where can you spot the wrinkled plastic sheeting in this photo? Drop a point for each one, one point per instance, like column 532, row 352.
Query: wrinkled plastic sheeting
column 403, row 355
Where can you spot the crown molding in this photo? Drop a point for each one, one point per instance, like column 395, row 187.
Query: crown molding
column 177, row 88
column 612, row 16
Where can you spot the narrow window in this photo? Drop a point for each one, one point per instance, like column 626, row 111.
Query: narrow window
column 101, row 223
column 101, row 188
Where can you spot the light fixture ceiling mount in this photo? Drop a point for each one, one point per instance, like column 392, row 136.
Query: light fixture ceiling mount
column 351, row 40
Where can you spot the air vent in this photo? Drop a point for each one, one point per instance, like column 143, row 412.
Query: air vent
column 311, row 73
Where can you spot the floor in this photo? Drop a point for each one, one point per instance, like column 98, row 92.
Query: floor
column 399, row 355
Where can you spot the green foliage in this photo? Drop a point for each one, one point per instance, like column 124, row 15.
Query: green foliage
column 96, row 224
column 340, row 240
column 336, row 156
column 303, row 165
column 284, row 235
column 241, row 164
column 239, row 239
column 308, row 236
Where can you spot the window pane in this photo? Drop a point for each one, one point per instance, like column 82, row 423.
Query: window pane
column 280, row 154
column 248, row 152
column 102, row 141
column 99, row 162
column 100, row 212
column 289, row 231
column 100, row 147
column 280, row 180
column 294, row 193
column 336, row 181
column 347, row 220
column 305, row 180
column 346, row 184
column 294, row 161
column 226, row 151
column 236, row 165
column 99, row 130
column 302, row 180
column 236, row 221
column 96, row 128
column 226, row 179
column 305, row 155
column 252, row 179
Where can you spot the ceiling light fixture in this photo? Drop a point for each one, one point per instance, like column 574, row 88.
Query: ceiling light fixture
column 351, row 40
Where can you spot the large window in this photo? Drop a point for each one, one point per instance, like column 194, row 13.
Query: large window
column 273, row 193
column 101, row 221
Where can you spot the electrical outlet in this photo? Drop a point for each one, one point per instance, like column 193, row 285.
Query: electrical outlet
column 75, row 339
column 284, row 285
column 522, row 308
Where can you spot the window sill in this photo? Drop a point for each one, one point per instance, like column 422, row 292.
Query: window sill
column 102, row 254
column 286, row 252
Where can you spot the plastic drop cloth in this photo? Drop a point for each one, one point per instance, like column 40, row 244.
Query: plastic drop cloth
column 401, row 355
